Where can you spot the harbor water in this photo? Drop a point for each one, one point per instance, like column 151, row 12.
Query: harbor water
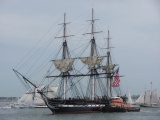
column 7, row 113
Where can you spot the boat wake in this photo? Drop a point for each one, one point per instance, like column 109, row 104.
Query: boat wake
column 151, row 111
column 5, row 107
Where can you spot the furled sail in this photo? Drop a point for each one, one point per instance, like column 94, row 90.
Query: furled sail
column 108, row 67
column 64, row 65
column 92, row 61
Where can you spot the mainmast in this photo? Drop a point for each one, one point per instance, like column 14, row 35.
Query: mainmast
column 93, row 53
column 109, row 67
column 64, row 38
column 64, row 55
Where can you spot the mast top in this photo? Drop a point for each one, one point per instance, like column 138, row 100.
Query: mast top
column 64, row 29
column 92, row 25
column 108, row 42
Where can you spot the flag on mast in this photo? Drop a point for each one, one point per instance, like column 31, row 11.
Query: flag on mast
column 116, row 79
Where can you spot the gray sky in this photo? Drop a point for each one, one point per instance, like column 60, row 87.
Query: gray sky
column 134, row 27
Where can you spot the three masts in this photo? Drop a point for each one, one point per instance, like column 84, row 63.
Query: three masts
column 65, row 65
column 96, row 93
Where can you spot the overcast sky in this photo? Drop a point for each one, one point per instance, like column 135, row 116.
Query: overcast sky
column 134, row 27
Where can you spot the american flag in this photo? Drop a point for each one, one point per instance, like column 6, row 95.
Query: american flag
column 116, row 79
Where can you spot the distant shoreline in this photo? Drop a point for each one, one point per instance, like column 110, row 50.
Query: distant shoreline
column 8, row 99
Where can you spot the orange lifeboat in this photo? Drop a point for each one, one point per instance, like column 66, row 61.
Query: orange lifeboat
column 118, row 102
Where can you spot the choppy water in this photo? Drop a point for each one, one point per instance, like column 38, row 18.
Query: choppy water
column 45, row 114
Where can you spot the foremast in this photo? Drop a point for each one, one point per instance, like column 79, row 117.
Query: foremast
column 93, row 53
column 64, row 64
column 64, row 55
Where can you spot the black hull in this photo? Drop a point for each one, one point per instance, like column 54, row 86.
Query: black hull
column 133, row 109
column 75, row 110
column 76, row 106
column 78, row 110
column 109, row 108
column 80, row 107
column 96, row 108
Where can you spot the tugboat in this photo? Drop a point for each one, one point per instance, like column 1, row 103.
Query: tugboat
column 119, row 105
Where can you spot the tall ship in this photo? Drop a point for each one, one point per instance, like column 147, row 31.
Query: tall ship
column 88, row 82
